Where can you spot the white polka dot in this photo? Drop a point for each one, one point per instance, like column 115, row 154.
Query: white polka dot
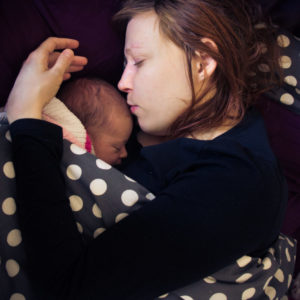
column 9, row 206
column 279, row 275
column 129, row 179
column 259, row 261
column 17, row 296
column 150, row 196
column 129, row 197
column 8, row 170
column 291, row 80
column 12, row 268
column 263, row 48
column 98, row 187
column 290, row 242
column 74, row 172
column 248, row 294
column 285, row 62
column 244, row 261
column 260, row 26
column 102, row 164
column 283, row 41
column 96, row 211
column 120, row 217
column 244, row 278
column 297, row 91
column 272, row 251
column 8, row 136
column 270, row 292
column 163, row 296
column 186, row 297
column 290, row 277
column 210, row 280
column 218, row 296
column 267, row 282
column 267, row 263
column 76, row 203
column 287, row 99
column 79, row 227
column 98, row 231
column 77, row 150
column 287, row 253
column 264, row 68
column 14, row 238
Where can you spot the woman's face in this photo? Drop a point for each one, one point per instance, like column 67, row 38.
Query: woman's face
column 155, row 78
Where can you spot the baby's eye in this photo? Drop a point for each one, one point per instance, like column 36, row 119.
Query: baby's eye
column 117, row 149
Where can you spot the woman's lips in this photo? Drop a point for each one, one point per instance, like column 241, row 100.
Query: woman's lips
column 133, row 108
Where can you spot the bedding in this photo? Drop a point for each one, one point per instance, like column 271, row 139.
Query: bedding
column 99, row 197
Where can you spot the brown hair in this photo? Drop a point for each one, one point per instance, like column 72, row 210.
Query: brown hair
column 246, row 54
column 93, row 101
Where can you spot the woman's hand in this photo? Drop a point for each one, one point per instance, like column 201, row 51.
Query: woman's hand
column 41, row 76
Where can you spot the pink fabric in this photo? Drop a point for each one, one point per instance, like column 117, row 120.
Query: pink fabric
column 88, row 143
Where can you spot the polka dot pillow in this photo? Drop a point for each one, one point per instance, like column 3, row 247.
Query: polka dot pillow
column 289, row 93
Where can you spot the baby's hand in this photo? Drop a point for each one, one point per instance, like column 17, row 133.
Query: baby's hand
column 41, row 76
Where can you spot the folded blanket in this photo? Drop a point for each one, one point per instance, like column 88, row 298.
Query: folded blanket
column 73, row 130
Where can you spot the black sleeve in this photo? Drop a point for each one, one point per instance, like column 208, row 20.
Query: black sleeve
column 172, row 241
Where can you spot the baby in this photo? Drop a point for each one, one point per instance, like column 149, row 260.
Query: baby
column 101, row 110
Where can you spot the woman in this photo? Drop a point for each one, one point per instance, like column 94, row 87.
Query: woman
column 219, row 191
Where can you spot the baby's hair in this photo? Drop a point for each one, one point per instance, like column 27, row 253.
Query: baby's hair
column 93, row 101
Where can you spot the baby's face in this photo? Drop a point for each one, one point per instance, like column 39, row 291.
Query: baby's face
column 110, row 145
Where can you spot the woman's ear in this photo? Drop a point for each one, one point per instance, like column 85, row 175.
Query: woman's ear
column 205, row 64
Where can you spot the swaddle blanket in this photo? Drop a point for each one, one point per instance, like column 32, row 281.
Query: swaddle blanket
column 100, row 196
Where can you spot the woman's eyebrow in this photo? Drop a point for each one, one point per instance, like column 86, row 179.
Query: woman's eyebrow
column 130, row 50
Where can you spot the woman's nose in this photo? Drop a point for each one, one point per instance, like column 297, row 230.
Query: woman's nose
column 125, row 83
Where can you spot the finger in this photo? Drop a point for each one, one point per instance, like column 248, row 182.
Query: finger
column 46, row 49
column 53, row 58
column 74, row 69
column 63, row 62
column 66, row 76
column 54, row 43
column 77, row 60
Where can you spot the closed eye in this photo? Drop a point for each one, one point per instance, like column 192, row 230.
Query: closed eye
column 139, row 63
column 117, row 149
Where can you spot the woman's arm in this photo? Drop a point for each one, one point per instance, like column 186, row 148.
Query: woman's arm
column 196, row 226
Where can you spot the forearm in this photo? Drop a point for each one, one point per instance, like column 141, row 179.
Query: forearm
column 44, row 212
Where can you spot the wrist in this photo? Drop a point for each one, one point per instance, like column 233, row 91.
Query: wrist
column 16, row 115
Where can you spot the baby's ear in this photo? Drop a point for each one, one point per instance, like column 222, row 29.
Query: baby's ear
column 205, row 64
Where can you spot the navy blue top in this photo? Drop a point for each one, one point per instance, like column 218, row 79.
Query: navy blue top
column 215, row 201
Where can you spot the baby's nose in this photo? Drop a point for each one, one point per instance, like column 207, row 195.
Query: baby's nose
column 123, row 152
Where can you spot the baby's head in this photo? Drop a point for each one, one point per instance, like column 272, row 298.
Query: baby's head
column 103, row 112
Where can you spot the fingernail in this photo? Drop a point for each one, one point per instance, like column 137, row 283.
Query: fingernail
column 68, row 52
